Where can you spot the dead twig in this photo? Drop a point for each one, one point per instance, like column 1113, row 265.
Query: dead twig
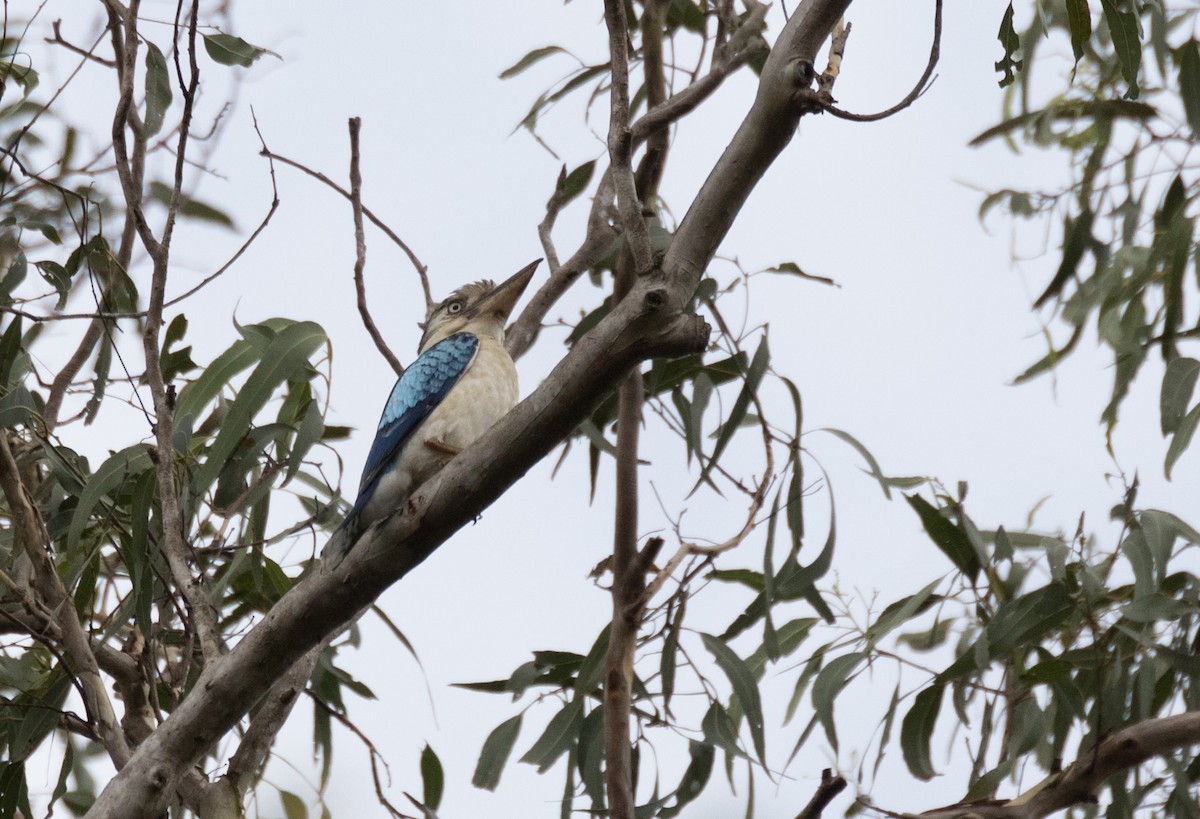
column 360, row 251
column 824, row 98
column 422, row 270
column 830, row 787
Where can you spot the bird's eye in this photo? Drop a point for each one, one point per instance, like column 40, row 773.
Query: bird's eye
column 454, row 307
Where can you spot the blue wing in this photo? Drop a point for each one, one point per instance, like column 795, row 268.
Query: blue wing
column 421, row 388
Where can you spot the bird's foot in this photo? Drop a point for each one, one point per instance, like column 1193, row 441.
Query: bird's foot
column 438, row 445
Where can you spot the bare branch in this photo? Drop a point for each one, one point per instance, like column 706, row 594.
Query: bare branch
column 422, row 270
column 830, row 787
column 620, row 140
column 360, row 248
column 87, row 54
column 825, row 100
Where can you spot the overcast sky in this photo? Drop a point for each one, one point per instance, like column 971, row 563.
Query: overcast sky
column 913, row 353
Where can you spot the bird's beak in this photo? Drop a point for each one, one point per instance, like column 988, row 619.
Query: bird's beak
column 504, row 297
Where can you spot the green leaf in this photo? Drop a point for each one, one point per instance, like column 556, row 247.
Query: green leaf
column 38, row 711
column 1099, row 110
column 112, row 474
column 1079, row 21
column 310, row 432
column 758, row 367
column 14, row 790
column 950, row 538
column 1123, row 26
column 189, row 207
column 293, row 806
column 57, row 277
column 745, row 688
column 872, row 465
column 589, row 757
column 1178, row 384
column 828, row 684
column 286, row 357
column 1181, row 439
column 793, row 269
column 535, row 56
column 917, row 729
column 901, row 612
column 563, row 729
column 229, row 50
column 198, row 394
column 695, row 777
column 576, row 181
column 14, row 276
column 1188, row 56
column 1010, row 41
column 10, row 348
column 1077, row 239
column 432, row 777
column 158, row 89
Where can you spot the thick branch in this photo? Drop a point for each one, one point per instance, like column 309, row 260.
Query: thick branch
column 1079, row 783
column 764, row 133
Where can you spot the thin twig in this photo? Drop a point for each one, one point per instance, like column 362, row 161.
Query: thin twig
column 422, row 270
column 360, row 251
column 57, row 39
column 830, row 787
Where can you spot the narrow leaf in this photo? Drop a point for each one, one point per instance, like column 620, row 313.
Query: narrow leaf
column 229, row 50
column 494, row 756
column 1178, row 384
column 432, row 777
column 1123, row 26
column 158, row 89
column 1079, row 21
column 917, row 729
column 744, row 687
column 1188, row 56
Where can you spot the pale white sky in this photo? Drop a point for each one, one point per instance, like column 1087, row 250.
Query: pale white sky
column 913, row 354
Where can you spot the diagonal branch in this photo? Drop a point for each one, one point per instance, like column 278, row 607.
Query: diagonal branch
column 360, row 247
column 1082, row 780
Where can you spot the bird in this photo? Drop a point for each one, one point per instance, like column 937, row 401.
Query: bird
column 462, row 382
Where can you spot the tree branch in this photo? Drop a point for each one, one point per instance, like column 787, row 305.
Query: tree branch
column 1082, row 780
column 360, row 247
column 422, row 270
column 830, row 787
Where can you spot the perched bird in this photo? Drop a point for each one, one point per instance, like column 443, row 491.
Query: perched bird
column 462, row 382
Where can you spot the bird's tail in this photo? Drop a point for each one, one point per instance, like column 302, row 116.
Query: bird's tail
column 339, row 545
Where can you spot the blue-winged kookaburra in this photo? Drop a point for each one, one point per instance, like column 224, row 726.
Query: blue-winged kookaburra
column 462, row 382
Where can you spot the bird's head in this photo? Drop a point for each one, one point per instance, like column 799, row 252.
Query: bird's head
column 481, row 308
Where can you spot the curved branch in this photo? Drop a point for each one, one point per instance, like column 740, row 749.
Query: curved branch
column 919, row 89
